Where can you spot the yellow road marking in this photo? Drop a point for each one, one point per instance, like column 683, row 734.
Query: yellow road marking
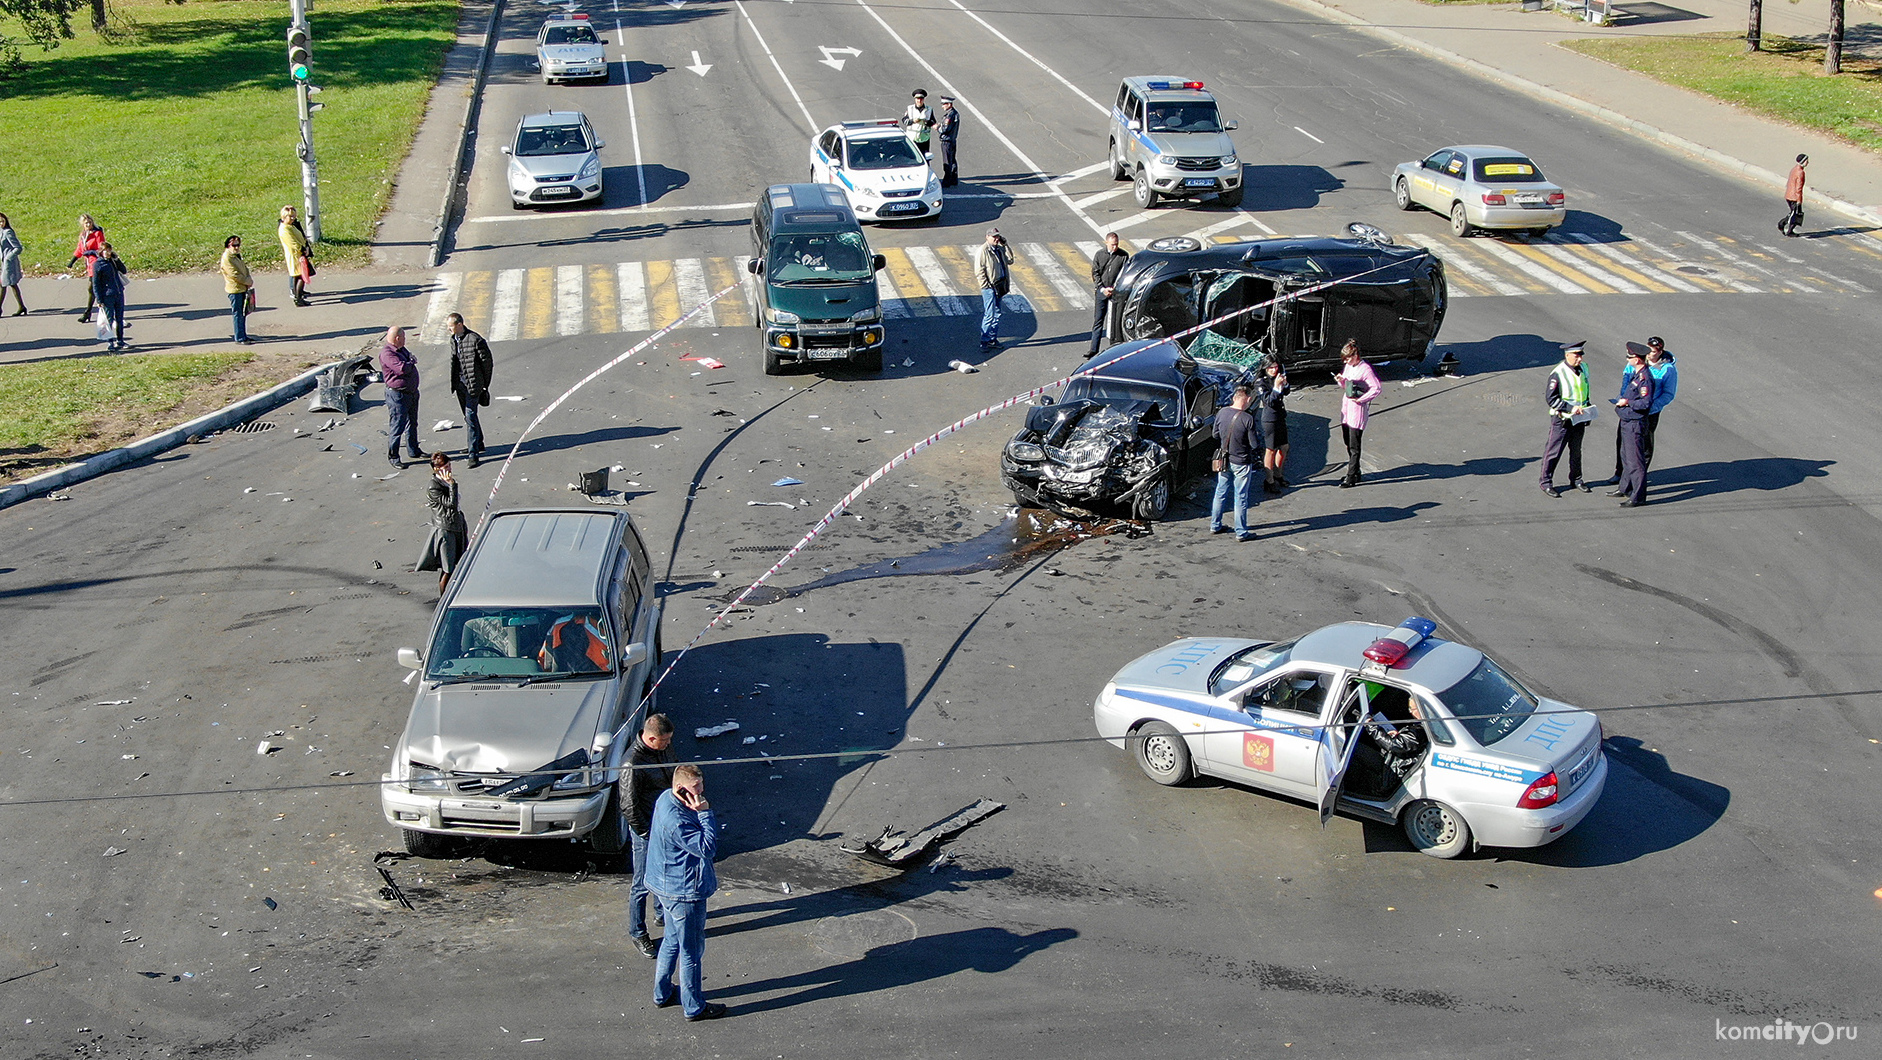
column 663, row 295
column 604, row 310
column 538, row 304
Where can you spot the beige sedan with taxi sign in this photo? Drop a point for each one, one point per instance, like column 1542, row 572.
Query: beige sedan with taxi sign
column 1481, row 187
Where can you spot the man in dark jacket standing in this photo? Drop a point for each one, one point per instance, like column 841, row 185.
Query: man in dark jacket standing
column 471, row 368
column 680, row 849
column 948, row 131
column 1106, row 265
column 1238, row 438
column 652, row 755
column 1631, row 407
column 399, row 369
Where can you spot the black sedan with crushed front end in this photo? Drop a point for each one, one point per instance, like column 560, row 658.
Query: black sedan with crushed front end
column 1121, row 437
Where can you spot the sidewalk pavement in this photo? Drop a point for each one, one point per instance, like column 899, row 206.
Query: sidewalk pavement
column 190, row 313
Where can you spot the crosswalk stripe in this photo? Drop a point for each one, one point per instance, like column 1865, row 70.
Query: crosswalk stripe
column 914, row 294
column 1487, row 281
column 1572, row 258
column 1530, row 268
column 604, row 311
column 1062, row 267
column 631, row 277
column 1719, row 251
column 538, row 303
column 1673, row 261
column 662, row 296
column 509, row 304
column 568, row 300
column 1133, row 220
column 894, row 305
column 444, row 297
column 1749, row 260
column 1639, row 269
column 1093, row 200
column 732, row 311
column 935, row 278
column 1039, row 291
column 473, row 298
column 690, row 277
column 960, row 260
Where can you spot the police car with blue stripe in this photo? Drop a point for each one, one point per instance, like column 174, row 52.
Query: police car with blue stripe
column 881, row 172
column 1392, row 725
column 1168, row 139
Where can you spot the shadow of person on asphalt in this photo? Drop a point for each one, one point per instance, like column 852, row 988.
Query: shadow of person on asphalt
column 810, row 906
column 1334, row 520
column 1691, row 481
column 989, row 950
column 1504, row 353
column 549, row 443
column 1482, row 466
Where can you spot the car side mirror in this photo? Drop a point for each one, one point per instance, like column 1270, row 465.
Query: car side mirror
column 877, row 263
column 634, row 654
column 1232, row 125
column 1196, row 422
column 755, row 267
column 505, row 149
column 1134, row 125
column 599, row 144
column 408, row 658
column 1043, row 400
column 603, row 741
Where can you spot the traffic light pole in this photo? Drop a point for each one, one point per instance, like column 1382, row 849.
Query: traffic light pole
column 310, row 169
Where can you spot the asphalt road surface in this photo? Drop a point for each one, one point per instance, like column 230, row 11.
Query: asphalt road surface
column 166, row 619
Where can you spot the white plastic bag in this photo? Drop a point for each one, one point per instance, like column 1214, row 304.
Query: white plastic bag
column 105, row 334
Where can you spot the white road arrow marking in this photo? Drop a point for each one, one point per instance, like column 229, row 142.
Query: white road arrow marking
column 829, row 54
column 699, row 67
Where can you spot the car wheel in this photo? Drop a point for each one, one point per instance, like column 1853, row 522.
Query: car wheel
column 1401, row 194
column 1118, row 172
column 774, row 364
column 1460, row 223
column 1436, row 829
column 428, row 844
column 610, row 835
column 1145, row 194
column 1232, row 199
column 1150, row 504
column 1161, row 753
column 1539, row 233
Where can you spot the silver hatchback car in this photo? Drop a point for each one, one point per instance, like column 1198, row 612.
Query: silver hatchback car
column 1480, row 186
column 542, row 649
column 554, row 157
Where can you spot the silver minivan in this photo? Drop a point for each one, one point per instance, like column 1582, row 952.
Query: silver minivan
column 544, row 645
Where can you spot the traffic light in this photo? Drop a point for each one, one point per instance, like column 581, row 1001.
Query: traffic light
column 298, row 55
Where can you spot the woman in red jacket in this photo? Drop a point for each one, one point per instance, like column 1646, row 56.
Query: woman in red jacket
column 91, row 239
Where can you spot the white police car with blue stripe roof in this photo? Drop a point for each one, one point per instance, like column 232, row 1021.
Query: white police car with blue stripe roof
column 1393, row 725
column 882, row 173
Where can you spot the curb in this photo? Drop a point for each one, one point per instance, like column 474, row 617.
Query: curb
column 228, row 416
column 455, row 176
column 1652, row 133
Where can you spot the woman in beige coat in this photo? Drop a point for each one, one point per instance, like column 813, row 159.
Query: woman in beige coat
column 237, row 283
column 298, row 253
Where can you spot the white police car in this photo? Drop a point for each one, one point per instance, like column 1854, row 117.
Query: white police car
column 884, row 175
column 1497, row 765
column 568, row 48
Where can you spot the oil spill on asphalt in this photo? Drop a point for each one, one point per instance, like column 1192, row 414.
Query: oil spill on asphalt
column 1020, row 539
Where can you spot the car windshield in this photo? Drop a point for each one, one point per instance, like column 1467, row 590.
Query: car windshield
column 1163, row 400
column 884, row 152
column 826, row 256
column 1489, row 703
column 1182, row 117
column 570, row 35
column 1243, row 666
column 1514, row 169
column 540, row 140
column 510, row 642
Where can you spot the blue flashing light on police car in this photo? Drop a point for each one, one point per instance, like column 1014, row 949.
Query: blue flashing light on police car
column 1390, row 650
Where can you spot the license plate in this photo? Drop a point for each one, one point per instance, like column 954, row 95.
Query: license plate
column 1529, row 200
column 900, row 207
column 1581, row 771
column 1199, row 182
column 826, row 355
column 562, row 192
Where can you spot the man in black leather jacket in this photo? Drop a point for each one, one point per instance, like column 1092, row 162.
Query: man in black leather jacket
column 653, row 749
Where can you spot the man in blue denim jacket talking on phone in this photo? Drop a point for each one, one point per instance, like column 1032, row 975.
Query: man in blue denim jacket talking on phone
column 680, row 848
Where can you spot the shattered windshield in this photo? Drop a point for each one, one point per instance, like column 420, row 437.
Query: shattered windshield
column 826, row 256
column 520, row 642
column 1243, row 666
column 1164, row 400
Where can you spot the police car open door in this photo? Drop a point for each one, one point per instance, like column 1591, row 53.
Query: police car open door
column 1338, row 737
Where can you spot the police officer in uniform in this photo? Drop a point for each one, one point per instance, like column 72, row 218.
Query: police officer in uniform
column 948, row 131
column 918, row 120
column 1567, row 398
column 1632, row 406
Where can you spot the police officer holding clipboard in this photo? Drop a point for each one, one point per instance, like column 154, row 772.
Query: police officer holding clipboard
column 1569, row 415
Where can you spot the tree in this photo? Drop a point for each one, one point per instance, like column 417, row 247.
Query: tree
column 1754, row 32
column 47, row 22
column 1833, row 48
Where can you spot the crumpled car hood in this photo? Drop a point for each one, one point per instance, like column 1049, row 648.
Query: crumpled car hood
column 498, row 730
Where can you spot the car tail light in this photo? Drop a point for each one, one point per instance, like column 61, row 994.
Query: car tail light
column 1541, row 793
column 1557, row 198
column 1491, row 198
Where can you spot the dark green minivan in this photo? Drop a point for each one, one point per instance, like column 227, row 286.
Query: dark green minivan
column 814, row 279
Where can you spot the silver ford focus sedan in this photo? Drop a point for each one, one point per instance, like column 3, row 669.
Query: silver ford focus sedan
column 1391, row 725
column 1481, row 187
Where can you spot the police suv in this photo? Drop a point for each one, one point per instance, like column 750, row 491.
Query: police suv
column 1169, row 140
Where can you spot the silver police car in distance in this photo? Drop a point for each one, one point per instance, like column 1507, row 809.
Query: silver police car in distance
column 568, row 48
column 1480, row 760
column 1481, row 187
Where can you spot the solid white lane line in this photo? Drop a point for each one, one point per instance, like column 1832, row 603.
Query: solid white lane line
column 1082, row 171
column 507, row 307
column 569, row 319
column 809, row 122
column 961, row 100
column 1101, row 108
column 1042, row 258
column 928, row 266
column 1533, row 270
column 1308, row 135
column 534, row 218
column 689, row 275
column 631, row 291
column 1093, row 200
column 1203, row 234
column 633, row 123
column 443, row 297
column 1615, row 255
column 1133, row 219
column 1469, row 268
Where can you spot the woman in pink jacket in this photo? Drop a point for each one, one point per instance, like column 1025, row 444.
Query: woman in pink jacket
column 91, row 239
column 1359, row 385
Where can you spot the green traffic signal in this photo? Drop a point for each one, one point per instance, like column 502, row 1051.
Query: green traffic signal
column 298, row 56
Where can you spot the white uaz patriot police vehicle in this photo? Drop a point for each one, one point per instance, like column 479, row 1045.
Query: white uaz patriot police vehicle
column 881, row 172
column 1500, row 766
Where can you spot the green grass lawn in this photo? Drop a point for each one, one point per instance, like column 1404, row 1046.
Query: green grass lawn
column 53, row 406
column 181, row 132
column 1786, row 81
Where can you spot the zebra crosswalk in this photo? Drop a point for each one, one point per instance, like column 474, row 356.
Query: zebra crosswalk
column 938, row 281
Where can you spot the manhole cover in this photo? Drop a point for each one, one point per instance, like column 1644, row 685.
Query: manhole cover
column 1696, row 270
column 854, row 934
column 252, row 427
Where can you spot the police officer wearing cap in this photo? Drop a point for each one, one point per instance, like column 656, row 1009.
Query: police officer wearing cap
column 948, row 132
column 1567, row 398
column 1632, row 406
column 918, row 120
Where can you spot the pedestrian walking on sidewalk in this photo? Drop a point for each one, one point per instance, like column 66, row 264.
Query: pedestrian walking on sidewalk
column 991, row 267
column 107, row 285
column 680, row 847
column 1794, row 197
column 918, row 120
column 1632, row 406
column 1566, row 397
column 399, row 369
column 1271, row 416
column 10, row 267
column 298, row 253
column 238, row 285
column 652, row 755
column 449, row 534
column 948, row 132
column 1238, row 450
column 1359, row 387
column 90, row 237
column 1106, row 266
column 471, row 367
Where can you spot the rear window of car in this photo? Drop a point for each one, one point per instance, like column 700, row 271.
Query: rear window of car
column 1506, row 170
column 1243, row 666
column 1488, row 703
column 552, row 140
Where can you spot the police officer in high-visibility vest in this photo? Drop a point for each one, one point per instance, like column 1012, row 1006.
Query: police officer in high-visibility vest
column 1569, row 413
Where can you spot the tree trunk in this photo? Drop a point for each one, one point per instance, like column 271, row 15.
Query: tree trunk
column 1754, row 31
column 1833, row 48
column 98, row 16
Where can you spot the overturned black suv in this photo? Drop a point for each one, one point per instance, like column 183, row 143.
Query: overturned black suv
column 1124, row 438
column 1391, row 300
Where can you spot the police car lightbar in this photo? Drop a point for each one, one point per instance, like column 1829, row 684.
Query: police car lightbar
column 1165, row 86
column 1391, row 649
column 873, row 124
